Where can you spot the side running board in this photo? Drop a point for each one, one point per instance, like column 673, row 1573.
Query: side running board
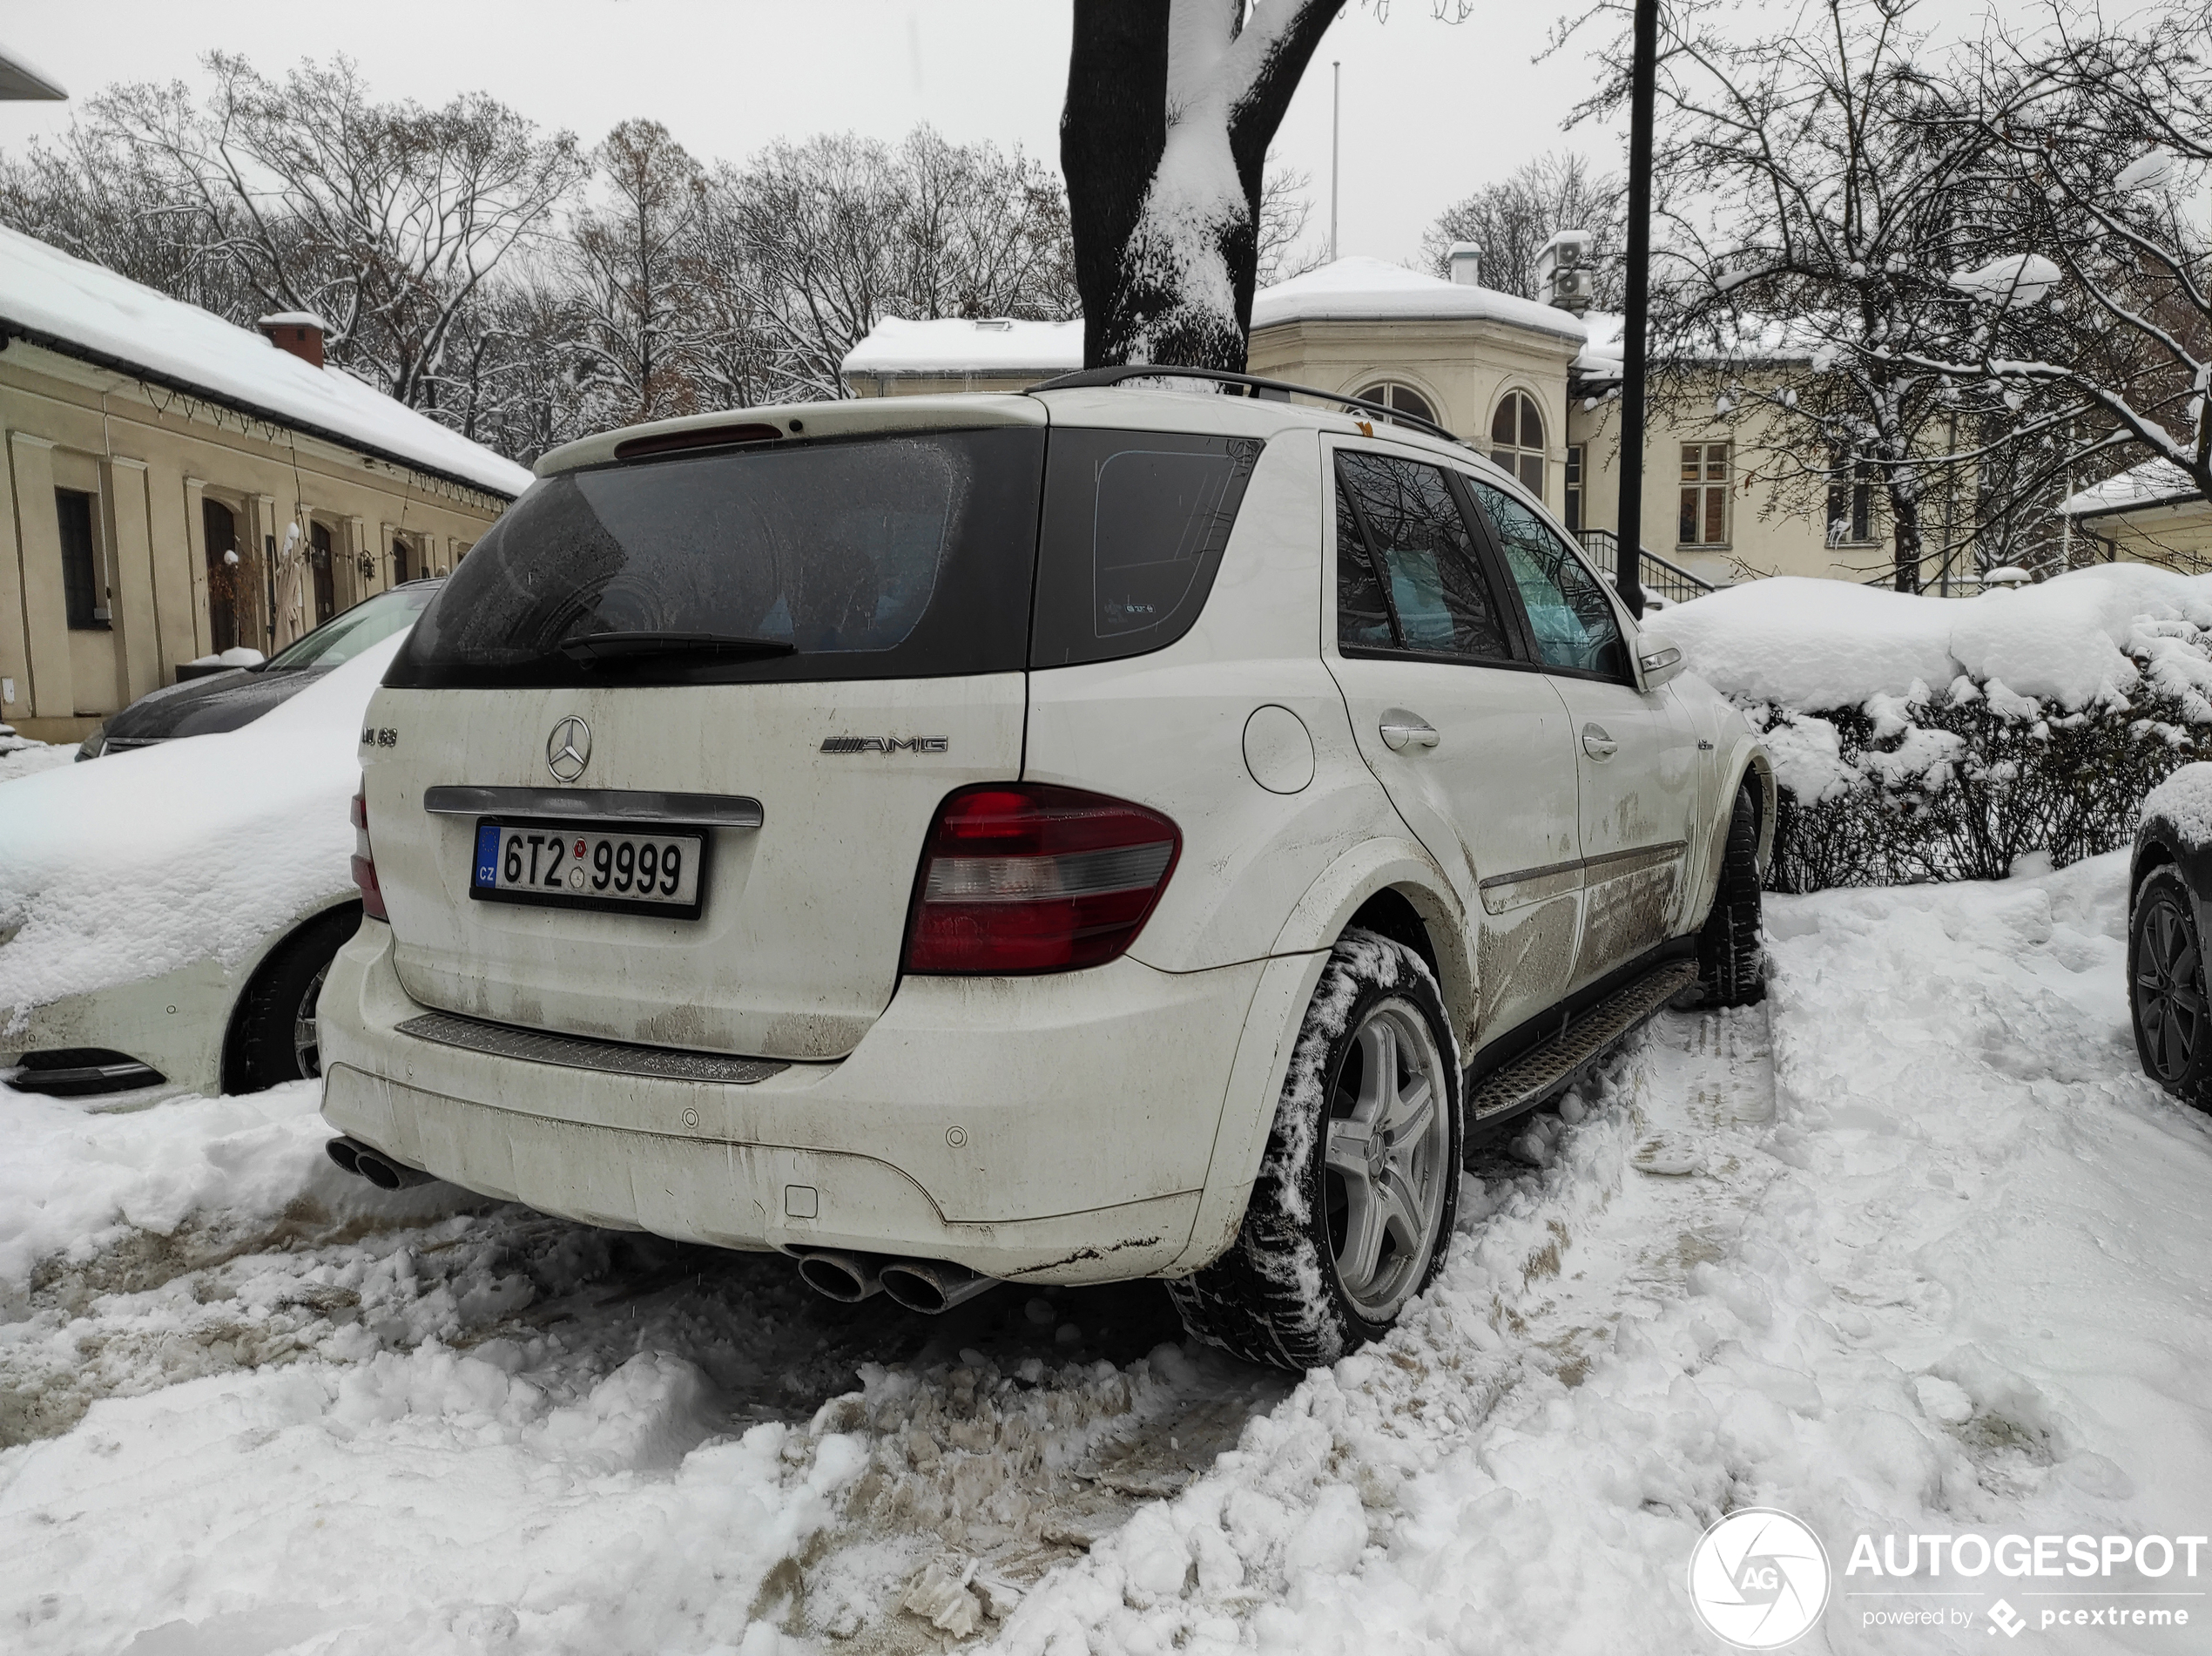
column 1551, row 1066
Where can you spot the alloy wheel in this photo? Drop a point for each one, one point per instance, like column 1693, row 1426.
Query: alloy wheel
column 1387, row 1158
column 307, row 1040
column 2169, row 989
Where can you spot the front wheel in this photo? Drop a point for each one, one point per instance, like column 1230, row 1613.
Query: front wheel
column 1352, row 1211
column 1731, row 950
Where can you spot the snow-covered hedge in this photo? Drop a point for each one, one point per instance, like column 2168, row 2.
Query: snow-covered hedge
column 1921, row 738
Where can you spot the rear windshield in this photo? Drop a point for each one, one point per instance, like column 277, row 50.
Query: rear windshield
column 895, row 556
column 1134, row 526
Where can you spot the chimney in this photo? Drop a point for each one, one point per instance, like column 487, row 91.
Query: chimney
column 1464, row 260
column 298, row 331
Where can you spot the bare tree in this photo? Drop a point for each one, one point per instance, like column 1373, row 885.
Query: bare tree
column 1809, row 259
column 2102, row 139
column 1511, row 220
column 386, row 220
column 1285, row 211
column 635, row 257
column 86, row 194
column 835, row 234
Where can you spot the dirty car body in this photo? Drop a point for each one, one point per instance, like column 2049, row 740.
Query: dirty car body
column 1007, row 768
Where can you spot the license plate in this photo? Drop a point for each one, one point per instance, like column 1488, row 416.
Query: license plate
column 573, row 866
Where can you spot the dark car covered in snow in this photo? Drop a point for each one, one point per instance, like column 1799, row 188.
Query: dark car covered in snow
column 221, row 701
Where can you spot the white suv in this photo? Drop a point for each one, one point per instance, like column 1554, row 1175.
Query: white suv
column 1095, row 834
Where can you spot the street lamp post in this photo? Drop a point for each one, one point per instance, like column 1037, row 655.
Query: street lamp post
column 1643, row 74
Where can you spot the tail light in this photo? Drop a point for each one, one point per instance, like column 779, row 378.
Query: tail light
column 365, row 860
column 1024, row 878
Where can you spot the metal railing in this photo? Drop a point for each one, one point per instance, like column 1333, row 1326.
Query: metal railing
column 1670, row 580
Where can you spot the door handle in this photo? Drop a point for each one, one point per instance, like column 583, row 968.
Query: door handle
column 1597, row 743
column 1401, row 730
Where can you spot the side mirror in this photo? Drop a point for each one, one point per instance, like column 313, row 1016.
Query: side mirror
column 1657, row 659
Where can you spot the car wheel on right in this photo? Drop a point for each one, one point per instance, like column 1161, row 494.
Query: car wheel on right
column 2166, row 998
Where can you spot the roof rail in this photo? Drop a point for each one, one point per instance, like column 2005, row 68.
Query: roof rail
column 1253, row 386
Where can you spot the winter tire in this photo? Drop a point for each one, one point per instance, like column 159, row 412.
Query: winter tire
column 2166, row 1000
column 1352, row 1211
column 1731, row 954
column 272, row 1034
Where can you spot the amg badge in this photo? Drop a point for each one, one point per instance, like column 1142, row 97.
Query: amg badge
column 884, row 744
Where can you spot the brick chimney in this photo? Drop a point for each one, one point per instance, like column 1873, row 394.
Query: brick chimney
column 298, row 331
column 1464, row 259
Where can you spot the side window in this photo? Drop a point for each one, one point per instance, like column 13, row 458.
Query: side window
column 1363, row 617
column 1433, row 583
column 1134, row 523
column 1567, row 610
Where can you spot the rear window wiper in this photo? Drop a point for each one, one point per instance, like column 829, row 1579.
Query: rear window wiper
column 587, row 648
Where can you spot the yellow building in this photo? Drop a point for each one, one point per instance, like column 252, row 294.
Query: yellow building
column 2152, row 514
column 1528, row 383
column 175, row 486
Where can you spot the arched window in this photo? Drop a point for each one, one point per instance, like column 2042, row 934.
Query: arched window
column 1517, row 440
column 1404, row 398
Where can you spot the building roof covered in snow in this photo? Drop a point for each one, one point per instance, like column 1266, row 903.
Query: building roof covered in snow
column 1360, row 289
column 21, row 79
column 89, row 312
column 2155, row 483
column 952, row 346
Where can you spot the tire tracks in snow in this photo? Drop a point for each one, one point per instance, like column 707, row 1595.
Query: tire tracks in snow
column 1002, row 1440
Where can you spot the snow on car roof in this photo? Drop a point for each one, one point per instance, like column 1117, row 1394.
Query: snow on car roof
column 86, row 310
column 1362, row 289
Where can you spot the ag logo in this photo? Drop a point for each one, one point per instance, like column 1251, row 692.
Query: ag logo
column 567, row 750
column 1759, row 1579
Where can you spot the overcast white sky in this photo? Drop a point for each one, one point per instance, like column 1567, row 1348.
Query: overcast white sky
column 1432, row 111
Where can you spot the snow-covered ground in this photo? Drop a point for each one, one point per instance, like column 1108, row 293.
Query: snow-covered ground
column 1912, row 1249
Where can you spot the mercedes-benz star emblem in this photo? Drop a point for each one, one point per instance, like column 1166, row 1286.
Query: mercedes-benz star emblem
column 567, row 750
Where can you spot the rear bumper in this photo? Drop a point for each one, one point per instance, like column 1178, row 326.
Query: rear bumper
column 1051, row 1129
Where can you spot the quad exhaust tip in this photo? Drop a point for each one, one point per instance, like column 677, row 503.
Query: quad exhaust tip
column 927, row 1286
column 846, row 1278
column 374, row 1165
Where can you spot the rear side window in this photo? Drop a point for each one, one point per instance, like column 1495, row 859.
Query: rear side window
column 1134, row 523
column 1416, row 539
column 896, row 556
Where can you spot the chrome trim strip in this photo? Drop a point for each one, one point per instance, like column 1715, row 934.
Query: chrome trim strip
column 1524, row 886
column 613, row 807
column 1614, row 865
column 575, row 1052
column 1517, row 891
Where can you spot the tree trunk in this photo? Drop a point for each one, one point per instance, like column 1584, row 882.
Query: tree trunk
column 1904, row 491
column 1171, row 105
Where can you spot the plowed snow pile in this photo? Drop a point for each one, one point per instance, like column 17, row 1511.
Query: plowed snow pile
column 1912, row 1249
